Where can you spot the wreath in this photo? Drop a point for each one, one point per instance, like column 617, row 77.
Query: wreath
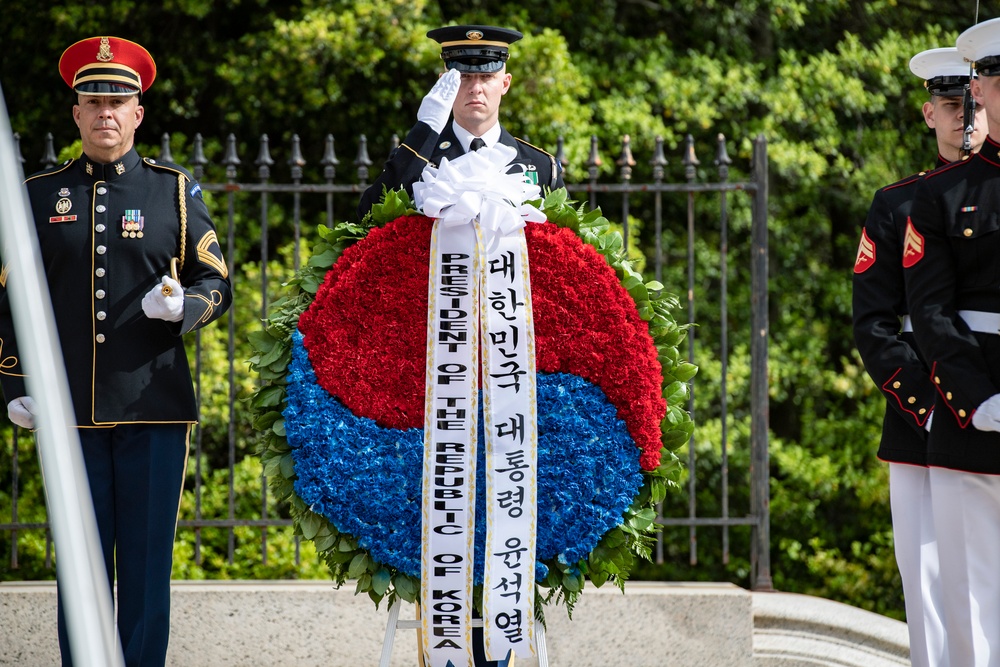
column 340, row 401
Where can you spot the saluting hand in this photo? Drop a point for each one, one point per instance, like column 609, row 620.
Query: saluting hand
column 436, row 105
column 22, row 411
column 161, row 304
column 987, row 416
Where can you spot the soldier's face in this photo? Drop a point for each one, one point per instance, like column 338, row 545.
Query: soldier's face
column 478, row 104
column 107, row 124
column 946, row 116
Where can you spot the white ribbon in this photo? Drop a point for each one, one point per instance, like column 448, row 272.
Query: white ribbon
column 481, row 184
column 480, row 199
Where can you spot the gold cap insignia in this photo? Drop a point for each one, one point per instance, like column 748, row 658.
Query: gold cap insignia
column 474, row 34
column 104, row 52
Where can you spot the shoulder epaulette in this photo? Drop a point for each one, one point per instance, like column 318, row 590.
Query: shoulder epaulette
column 948, row 167
column 533, row 146
column 168, row 166
column 909, row 180
column 51, row 170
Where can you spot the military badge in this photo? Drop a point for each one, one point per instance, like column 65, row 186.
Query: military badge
column 132, row 223
column 63, row 206
column 866, row 254
column 913, row 245
column 104, row 53
column 444, row 145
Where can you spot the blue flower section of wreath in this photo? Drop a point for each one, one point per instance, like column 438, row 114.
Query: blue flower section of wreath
column 366, row 479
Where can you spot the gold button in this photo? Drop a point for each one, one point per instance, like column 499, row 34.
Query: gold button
column 937, row 380
column 948, row 395
column 922, row 411
column 967, row 232
column 961, row 413
column 911, row 400
column 896, row 385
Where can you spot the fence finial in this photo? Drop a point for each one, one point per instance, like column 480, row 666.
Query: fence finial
column 625, row 160
column 49, row 158
column 264, row 160
column 722, row 160
column 17, row 150
column 231, row 160
column 690, row 161
column 296, row 161
column 198, row 158
column 659, row 160
column 362, row 161
column 165, row 154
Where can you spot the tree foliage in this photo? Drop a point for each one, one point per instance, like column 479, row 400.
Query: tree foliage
column 826, row 83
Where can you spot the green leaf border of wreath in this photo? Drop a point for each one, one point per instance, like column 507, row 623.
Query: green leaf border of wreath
column 612, row 559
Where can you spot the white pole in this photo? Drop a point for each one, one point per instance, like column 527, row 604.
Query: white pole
column 80, row 568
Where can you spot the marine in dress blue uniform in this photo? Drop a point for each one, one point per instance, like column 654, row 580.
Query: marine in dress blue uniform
column 133, row 263
column 953, row 285
column 884, row 337
column 475, row 53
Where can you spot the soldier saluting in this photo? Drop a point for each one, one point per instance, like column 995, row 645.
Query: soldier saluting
column 471, row 90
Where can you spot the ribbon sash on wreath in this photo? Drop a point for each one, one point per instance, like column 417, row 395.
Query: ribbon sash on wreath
column 479, row 299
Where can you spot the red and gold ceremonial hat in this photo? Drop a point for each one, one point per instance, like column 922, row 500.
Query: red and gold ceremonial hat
column 107, row 66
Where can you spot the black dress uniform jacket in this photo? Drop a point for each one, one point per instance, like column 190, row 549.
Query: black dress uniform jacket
column 107, row 235
column 879, row 306
column 424, row 146
column 952, row 255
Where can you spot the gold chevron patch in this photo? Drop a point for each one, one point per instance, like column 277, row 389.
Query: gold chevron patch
column 212, row 259
column 913, row 245
column 866, row 254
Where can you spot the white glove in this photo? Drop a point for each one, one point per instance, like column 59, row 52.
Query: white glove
column 927, row 424
column 436, row 106
column 22, row 411
column 159, row 306
column 987, row 416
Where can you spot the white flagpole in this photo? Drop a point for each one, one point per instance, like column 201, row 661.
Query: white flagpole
column 80, row 568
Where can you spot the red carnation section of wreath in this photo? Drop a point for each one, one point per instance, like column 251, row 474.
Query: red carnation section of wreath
column 587, row 324
column 366, row 330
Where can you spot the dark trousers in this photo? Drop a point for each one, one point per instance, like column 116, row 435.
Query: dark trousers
column 136, row 474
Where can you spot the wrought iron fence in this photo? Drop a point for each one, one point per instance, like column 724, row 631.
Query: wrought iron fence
column 696, row 254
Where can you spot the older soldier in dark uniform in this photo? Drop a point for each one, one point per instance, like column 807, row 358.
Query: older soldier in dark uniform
column 951, row 251
column 476, row 79
column 884, row 337
column 133, row 263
